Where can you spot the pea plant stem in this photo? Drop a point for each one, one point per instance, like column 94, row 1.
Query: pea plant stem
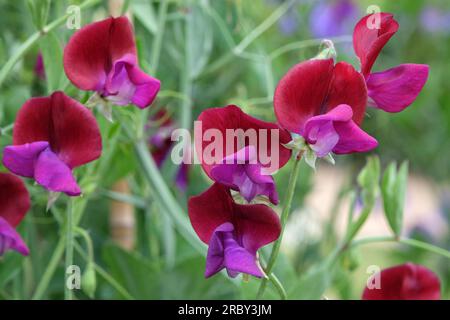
column 406, row 241
column 28, row 44
column 284, row 218
column 68, row 292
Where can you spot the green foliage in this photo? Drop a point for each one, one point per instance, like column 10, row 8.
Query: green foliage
column 393, row 188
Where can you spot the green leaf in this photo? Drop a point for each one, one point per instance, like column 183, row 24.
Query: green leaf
column 10, row 266
column 133, row 272
column 368, row 179
column 199, row 42
column 144, row 13
column 314, row 283
column 393, row 189
column 53, row 61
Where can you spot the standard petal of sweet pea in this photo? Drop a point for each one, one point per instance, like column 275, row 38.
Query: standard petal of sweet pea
column 10, row 239
column 209, row 210
column 404, row 282
column 225, row 252
column 14, row 199
column 233, row 118
column 53, row 174
column 21, row 159
column 347, row 87
column 395, row 89
column 69, row 127
column 257, row 225
column 368, row 40
column 301, row 92
column 91, row 51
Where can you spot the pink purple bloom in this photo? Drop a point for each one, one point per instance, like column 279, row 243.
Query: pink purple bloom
column 233, row 232
column 241, row 167
column 14, row 204
column 102, row 57
column 52, row 136
column 325, row 104
column 394, row 89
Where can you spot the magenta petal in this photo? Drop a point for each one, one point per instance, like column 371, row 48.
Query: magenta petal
column 146, row 87
column 128, row 84
column 336, row 131
column 55, row 175
column 225, row 252
column 21, row 159
column 395, row 89
column 10, row 239
column 241, row 172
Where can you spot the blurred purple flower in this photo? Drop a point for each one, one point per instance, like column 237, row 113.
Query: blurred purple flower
column 289, row 22
column 333, row 18
column 434, row 20
column 39, row 69
column 161, row 144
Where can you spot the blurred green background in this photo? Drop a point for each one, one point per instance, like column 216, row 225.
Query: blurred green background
column 215, row 53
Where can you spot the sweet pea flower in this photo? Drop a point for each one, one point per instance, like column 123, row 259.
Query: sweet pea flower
column 14, row 204
column 405, row 282
column 102, row 57
column 324, row 103
column 242, row 168
column 233, row 232
column 394, row 89
column 52, row 136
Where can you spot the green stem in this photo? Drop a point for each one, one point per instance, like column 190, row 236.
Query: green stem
column 105, row 275
column 50, row 270
column 58, row 253
column 7, row 128
column 28, row 44
column 165, row 197
column 266, row 24
column 284, row 217
column 406, row 241
column 68, row 294
column 157, row 43
column 277, row 284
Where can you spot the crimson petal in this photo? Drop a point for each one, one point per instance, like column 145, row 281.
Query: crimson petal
column 256, row 224
column 90, row 52
column 368, row 43
column 69, row 127
column 395, row 89
column 14, row 199
column 301, row 93
column 405, row 282
column 232, row 117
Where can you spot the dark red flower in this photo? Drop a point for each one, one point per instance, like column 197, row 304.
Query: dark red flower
column 53, row 135
column 404, row 282
column 14, row 204
column 324, row 103
column 246, row 146
column 395, row 89
column 102, row 57
column 233, row 232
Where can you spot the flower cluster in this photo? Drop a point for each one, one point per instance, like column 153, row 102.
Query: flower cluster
column 54, row 135
column 323, row 104
column 235, row 232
